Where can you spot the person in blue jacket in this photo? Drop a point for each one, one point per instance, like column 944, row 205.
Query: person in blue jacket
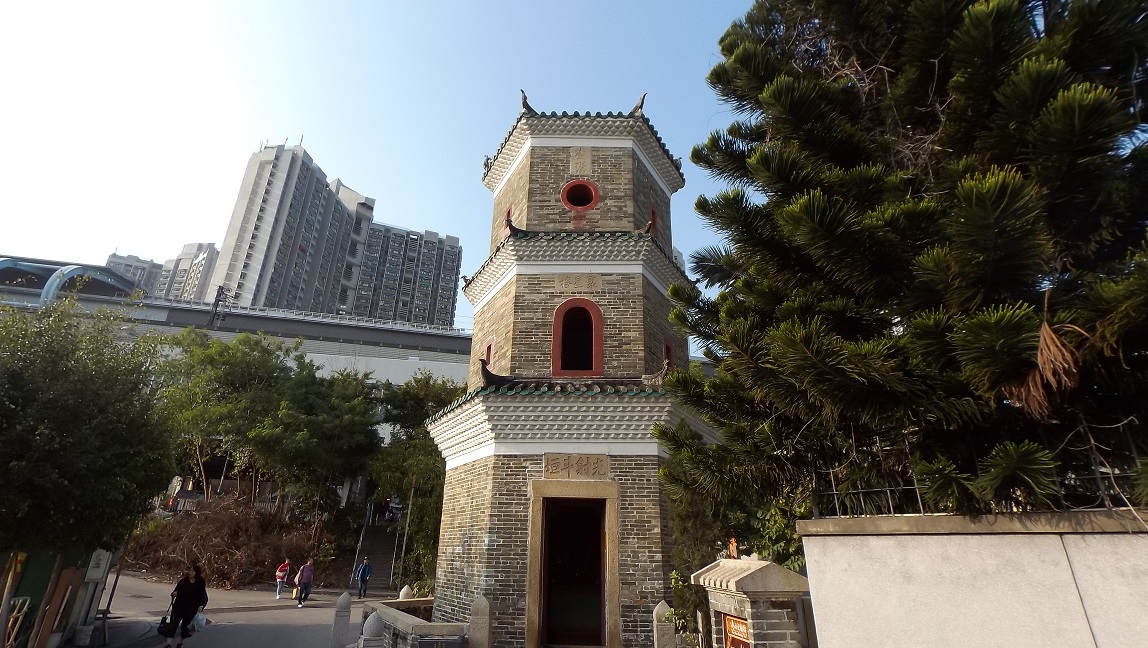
column 362, row 573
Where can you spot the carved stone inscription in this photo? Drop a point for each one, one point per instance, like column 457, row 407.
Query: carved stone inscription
column 580, row 161
column 575, row 466
column 578, row 282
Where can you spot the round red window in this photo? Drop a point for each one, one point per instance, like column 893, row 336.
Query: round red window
column 580, row 195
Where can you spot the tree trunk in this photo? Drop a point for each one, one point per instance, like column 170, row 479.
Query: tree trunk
column 277, row 508
column 202, row 471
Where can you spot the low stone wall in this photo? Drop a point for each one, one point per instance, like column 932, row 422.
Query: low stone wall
column 1071, row 579
column 390, row 624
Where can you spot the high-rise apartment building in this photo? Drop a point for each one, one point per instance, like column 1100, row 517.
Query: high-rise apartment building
column 144, row 272
column 299, row 242
column 408, row 276
column 188, row 275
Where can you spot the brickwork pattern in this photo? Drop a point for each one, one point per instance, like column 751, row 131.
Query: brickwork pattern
column 519, row 321
column 659, row 331
column 643, row 545
column 465, row 517
column 649, row 195
column 772, row 623
column 513, row 196
column 488, row 556
column 493, row 324
column 611, row 171
column 628, row 192
column 620, row 300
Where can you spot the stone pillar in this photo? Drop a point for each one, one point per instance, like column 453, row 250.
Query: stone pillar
column 478, row 633
column 406, row 593
column 342, row 621
column 373, row 630
column 663, row 628
column 756, row 602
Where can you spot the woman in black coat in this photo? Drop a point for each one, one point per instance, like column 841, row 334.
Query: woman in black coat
column 188, row 599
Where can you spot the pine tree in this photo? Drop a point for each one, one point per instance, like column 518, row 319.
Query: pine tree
column 935, row 273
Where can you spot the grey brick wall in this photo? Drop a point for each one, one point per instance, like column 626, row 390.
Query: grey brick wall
column 484, row 544
column 494, row 323
column 461, row 553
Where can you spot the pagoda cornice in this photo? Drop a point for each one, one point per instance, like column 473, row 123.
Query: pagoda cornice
column 540, row 419
column 531, row 252
column 564, row 129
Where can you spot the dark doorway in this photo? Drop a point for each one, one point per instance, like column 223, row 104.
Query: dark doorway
column 577, row 340
column 573, row 572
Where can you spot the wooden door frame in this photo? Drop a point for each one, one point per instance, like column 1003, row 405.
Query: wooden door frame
column 540, row 490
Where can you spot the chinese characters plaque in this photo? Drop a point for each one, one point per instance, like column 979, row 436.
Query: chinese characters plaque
column 575, row 466
column 736, row 632
column 576, row 282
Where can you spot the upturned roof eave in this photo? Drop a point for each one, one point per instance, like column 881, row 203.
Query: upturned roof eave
column 523, row 116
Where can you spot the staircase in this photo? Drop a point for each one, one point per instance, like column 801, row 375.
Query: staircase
column 379, row 545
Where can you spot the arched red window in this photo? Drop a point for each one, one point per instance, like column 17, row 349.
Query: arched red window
column 576, row 348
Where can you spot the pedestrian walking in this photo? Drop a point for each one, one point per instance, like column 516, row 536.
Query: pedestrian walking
column 188, row 599
column 362, row 574
column 304, row 579
column 281, row 574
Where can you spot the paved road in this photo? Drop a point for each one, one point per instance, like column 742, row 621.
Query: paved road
column 238, row 618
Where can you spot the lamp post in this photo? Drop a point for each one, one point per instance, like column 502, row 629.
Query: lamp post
column 224, row 299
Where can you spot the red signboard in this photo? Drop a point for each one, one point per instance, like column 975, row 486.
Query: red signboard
column 736, row 632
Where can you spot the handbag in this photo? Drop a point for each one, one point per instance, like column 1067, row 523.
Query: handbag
column 295, row 593
column 165, row 628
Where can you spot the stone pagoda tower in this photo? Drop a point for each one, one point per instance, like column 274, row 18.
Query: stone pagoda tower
column 553, row 510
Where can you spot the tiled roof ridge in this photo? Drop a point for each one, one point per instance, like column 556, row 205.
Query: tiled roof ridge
column 544, row 234
column 632, row 386
column 578, row 115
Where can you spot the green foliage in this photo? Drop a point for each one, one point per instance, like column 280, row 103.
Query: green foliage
column 265, row 406
column 945, row 488
column 1018, row 477
column 83, row 447
column 411, row 464
column 933, row 271
column 1140, row 486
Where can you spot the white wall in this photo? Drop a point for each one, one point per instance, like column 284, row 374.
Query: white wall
column 396, row 370
column 1063, row 580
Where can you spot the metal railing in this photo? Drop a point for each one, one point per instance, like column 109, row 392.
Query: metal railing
column 897, row 491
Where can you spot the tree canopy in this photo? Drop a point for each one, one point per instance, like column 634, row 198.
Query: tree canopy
column 83, row 449
column 266, row 407
column 934, row 271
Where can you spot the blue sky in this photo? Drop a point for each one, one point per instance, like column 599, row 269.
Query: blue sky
column 128, row 124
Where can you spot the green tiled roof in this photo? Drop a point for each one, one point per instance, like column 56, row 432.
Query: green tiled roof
column 602, row 387
column 584, row 115
column 572, row 235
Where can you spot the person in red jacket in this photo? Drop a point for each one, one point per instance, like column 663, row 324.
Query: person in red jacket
column 281, row 573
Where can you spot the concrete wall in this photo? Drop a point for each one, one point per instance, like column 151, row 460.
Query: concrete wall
column 1067, row 579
